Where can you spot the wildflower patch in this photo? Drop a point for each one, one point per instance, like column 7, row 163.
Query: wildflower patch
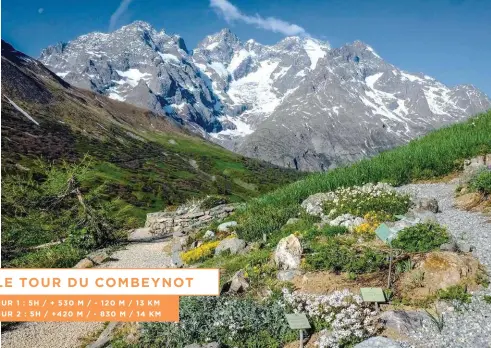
column 200, row 253
column 367, row 199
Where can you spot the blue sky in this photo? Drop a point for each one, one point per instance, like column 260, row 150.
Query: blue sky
column 447, row 39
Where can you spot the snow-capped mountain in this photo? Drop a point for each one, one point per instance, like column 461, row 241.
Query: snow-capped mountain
column 141, row 66
column 253, row 79
column 354, row 105
column 297, row 103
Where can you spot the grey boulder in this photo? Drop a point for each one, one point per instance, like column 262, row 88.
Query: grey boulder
column 233, row 245
column 288, row 253
column 404, row 322
column 225, row 227
column 236, row 285
column 313, row 205
column 98, row 256
column 425, row 203
column 176, row 259
column 450, row 246
column 141, row 235
column 287, row 275
column 209, row 235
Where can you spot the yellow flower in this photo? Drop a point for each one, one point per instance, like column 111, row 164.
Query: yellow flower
column 196, row 254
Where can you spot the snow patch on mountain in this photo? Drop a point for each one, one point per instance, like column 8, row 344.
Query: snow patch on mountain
column 133, row 76
column 372, row 79
column 241, row 128
column 219, row 68
column 314, row 51
column 373, row 52
column 255, row 89
column 63, row 74
column 169, row 57
column 411, row 77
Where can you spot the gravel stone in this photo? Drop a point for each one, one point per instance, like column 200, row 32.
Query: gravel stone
column 470, row 328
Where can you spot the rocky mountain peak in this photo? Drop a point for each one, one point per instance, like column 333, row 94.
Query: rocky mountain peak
column 137, row 25
column 224, row 38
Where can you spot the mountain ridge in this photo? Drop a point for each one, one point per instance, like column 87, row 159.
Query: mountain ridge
column 242, row 94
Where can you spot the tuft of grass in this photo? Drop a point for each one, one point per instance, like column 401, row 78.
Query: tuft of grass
column 437, row 319
column 438, row 153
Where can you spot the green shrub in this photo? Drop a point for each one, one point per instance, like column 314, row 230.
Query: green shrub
column 439, row 153
column 487, row 299
column 241, row 323
column 338, row 256
column 421, row 237
column 482, row 182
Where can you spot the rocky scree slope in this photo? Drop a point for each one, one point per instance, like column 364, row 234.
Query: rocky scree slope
column 298, row 103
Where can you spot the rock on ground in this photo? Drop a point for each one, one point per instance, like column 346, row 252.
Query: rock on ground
column 288, row 253
column 287, row 275
column 225, row 227
column 144, row 234
column 403, row 322
column 237, row 284
column 313, row 205
column 233, row 245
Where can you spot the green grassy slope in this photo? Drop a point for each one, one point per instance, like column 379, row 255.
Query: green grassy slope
column 138, row 162
column 437, row 154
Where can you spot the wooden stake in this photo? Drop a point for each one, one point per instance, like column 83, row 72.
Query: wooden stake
column 390, row 266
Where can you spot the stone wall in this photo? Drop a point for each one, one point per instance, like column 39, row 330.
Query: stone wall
column 169, row 222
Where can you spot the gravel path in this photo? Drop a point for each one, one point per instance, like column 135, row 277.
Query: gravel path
column 68, row 335
column 469, row 328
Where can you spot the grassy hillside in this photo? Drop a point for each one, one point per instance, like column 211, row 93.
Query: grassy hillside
column 86, row 167
column 436, row 154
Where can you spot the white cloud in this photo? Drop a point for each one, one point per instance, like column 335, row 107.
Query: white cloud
column 123, row 6
column 231, row 13
column 40, row 10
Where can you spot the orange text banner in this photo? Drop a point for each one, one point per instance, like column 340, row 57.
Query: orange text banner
column 89, row 308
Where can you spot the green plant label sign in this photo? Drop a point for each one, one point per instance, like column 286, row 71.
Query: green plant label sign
column 383, row 232
column 372, row 294
column 297, row 321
